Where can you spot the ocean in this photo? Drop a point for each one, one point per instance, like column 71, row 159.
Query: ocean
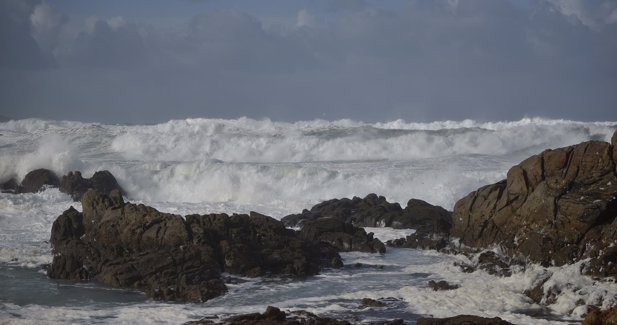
column 278, row 168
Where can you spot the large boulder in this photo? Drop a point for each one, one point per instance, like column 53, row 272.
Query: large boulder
column 172, row 258
column 75, row 185
column 37, row 179
column 554, row 208
column 341, row 235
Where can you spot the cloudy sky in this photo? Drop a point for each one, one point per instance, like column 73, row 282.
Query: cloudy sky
column 147, row 61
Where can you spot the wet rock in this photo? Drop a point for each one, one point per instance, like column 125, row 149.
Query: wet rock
column 274, row 316
column 462, row 320
column 595, row 316
column 422, row 240
column 441, row 285
column 75, row 185
column 539, row 295
column 554, row 208
column 135, row 246
column 376, row 211
column 368, row 302
column 494, row 264
column 35, row 180
column 343, row 236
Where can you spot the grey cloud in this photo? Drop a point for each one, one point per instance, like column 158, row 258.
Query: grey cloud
column 432, row 60
column 19, row 49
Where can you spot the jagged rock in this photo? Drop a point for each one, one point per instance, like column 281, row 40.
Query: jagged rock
column 376, row 211
column 75, row 185
column 598, row 317
column 539, row 295
column 343, row 236
column 462, row 320
column 441, row 285
column 421, row 240
column 35, row 180
column 554, row 208
column 135, row 246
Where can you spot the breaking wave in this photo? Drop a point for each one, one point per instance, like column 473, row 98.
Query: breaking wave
column 288, row 165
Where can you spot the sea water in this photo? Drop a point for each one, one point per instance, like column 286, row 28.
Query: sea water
column 275, row 168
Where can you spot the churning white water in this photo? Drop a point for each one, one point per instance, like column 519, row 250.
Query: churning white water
column 208, row 165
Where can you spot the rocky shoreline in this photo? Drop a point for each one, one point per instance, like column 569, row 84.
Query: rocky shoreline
column 555, row 208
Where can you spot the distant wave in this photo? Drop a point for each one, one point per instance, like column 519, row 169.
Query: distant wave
column 288, row 165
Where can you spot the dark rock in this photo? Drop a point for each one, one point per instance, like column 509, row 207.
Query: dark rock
column 494, row 264
column 343, row 236
column 35, row 180
column 274, row 316
column 75, row 185
column 368, row 302
column 462, row 320
column 537, row 293
column 10, row 186
column 376, row 211
column 597, row 317
column 134, row 246
column 421, row 240
column 554, row 208
column 426, row 218
column 441, row 285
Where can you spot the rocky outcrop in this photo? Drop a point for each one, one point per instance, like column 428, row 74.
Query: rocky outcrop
column 174, row 258
column 35, row 180
column 432, row 223
column 72, row 183
column 274, row 316
column 343, row 236
column 75, row 185
column 462, row 320
column 554, row 208
column 376, row 211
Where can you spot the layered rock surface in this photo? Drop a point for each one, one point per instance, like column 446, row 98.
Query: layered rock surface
column 554, row 208
column 172, row 258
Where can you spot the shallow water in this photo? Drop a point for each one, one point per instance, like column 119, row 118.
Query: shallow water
column 206, row 166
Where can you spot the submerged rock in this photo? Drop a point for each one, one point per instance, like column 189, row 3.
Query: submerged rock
column 462, row 320
column 554, row 208
column 135, row 246
column 343, row 236
column 75, row 185
column 441, row 285
column 37, row 179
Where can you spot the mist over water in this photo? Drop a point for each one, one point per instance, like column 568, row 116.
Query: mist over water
column 211, row 165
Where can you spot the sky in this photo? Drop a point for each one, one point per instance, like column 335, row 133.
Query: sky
column 148, row 61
